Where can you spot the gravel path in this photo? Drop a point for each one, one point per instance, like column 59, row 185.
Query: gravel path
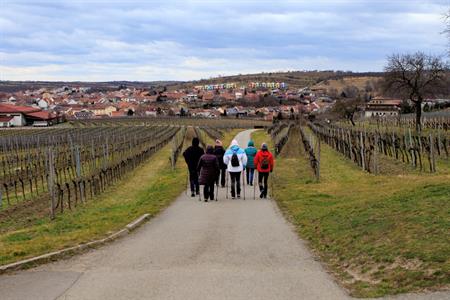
column 230, row 249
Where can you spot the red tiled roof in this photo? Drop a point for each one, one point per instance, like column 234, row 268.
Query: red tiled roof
column 9, row 108
column 5, row 119
column 44, row 115
column 117, row 114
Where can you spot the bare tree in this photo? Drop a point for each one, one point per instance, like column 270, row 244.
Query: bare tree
column 347, row 108
column 415, row 76
column 350, row 91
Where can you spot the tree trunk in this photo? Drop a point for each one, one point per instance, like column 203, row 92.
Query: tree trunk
column 418, row 115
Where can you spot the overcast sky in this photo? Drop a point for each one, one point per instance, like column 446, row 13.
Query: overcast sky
column 184, row 40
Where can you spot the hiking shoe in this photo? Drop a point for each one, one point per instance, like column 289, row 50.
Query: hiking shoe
column 239, row 196
column 193, row 195
column 206, row 200
column 261, row 195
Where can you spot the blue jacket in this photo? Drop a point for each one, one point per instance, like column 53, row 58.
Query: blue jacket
column 241, row 156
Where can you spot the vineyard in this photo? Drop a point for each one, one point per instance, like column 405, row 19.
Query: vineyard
column 223, row 123
column 372, row 201
column 366, row 146
column 63, row 167
column 369, row 145
column 70, row 166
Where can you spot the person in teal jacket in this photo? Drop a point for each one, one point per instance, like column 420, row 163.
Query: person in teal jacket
column 250, row 151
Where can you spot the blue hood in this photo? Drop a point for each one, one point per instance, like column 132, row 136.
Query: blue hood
column 233, row 149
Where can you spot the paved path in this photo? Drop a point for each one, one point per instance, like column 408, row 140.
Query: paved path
column 230, row 249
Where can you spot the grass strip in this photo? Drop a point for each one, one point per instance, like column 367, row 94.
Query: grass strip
column 379, row 235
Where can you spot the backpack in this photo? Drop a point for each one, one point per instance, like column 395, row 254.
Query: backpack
column 234, row 160
column 265, row 163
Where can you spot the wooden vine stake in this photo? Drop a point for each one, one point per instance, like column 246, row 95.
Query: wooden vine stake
column 318, row 160
column 51, row 182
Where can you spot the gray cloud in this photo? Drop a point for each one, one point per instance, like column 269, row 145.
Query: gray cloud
column 139, row 40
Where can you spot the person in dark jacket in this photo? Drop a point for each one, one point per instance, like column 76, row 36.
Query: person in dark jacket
column 250, row 151
column 264, row 164
column 208, row 167
column 192, row 156
column 219, row 152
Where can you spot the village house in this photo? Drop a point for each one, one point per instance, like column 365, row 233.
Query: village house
column 17, row 116
column 102, row 110
column 382, row 107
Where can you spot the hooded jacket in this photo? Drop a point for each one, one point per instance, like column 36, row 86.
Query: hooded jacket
column 250, row 151
column 219, row 153
column 208, row 167
column 260, row 157
column 234, row 148
column 192, row 155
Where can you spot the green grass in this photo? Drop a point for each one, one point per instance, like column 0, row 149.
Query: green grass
column 379, row 235
column 148, row 189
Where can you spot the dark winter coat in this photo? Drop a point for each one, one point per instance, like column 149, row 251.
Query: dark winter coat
column 192, row 155
column 208, row 167
column 219, row 152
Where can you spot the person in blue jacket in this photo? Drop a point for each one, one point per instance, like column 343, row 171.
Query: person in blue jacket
column 250, row 151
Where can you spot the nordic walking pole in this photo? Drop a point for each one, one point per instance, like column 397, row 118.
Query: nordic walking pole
column 226, row 179
column 187, row 184
column 271, row 187
column 217, row 190
column 254, row 188
column 243, row 181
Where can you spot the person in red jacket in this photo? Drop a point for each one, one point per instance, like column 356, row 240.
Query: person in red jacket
column 264, row 164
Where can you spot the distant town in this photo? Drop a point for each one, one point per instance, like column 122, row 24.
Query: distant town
column 265, row 100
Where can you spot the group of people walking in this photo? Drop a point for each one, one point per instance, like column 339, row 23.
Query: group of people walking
column 211, row 168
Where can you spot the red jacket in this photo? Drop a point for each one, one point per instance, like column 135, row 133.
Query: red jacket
column 259, row 157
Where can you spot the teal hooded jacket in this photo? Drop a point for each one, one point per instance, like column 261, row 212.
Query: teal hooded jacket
column 250, row 151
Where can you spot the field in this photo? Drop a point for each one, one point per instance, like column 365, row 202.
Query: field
column 339, row 84
column 377, row 219
column 63, row 186
column 379, row 234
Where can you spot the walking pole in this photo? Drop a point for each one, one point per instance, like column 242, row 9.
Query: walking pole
column 271, row 186
column 226, row 183
column 243, row 181
column 187, row 184
column 199, row 189
column 254, row 187
column 217, row 190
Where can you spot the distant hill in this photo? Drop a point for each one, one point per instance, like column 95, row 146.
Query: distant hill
column 295, row 79
column 14, row 86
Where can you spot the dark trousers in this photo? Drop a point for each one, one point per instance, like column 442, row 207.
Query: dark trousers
column 193, row 178
column 235, row 183
column 250, row 175
column 262, row 181
column 208, row 191
column 222, row 177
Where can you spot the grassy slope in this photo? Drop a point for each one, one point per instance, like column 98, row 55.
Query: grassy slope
column 339, row 84
column 380, row 235
column 147, row 189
